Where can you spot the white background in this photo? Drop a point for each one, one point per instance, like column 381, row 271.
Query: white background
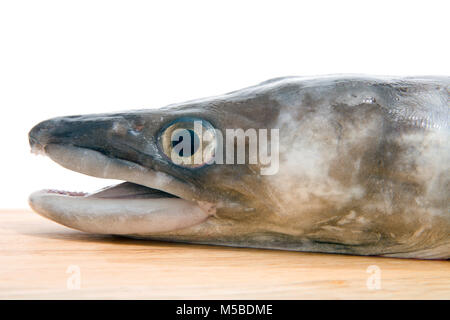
column 71, row 57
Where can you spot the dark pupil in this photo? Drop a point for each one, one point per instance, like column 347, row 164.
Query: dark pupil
column 194, row 144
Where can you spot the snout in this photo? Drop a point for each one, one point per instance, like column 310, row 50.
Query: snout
column 126, row 136
column 69, row 130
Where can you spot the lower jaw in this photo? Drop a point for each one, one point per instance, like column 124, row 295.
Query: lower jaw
column 117, row 216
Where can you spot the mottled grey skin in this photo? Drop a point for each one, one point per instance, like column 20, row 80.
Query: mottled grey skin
column 364, row 164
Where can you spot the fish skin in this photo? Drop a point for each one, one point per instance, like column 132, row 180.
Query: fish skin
column 364, row 164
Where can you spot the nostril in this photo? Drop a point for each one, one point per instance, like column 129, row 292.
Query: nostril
column 32, row 140
column 39, row 135
column 36, row 146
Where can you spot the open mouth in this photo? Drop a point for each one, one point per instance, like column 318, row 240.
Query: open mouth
column 148, row 202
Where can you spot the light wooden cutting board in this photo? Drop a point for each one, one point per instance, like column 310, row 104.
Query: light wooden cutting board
column 41, row 259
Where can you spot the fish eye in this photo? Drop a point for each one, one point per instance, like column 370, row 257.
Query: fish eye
column 188, row 142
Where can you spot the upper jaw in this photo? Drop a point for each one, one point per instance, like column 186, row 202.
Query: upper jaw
column 96, row 164
column 111, row 146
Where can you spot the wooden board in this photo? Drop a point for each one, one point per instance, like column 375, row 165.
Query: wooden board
column 41, row 259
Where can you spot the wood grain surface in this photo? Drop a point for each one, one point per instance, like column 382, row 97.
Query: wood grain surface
column 40, row 259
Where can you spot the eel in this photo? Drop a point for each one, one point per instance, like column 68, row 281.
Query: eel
column 347, row 164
